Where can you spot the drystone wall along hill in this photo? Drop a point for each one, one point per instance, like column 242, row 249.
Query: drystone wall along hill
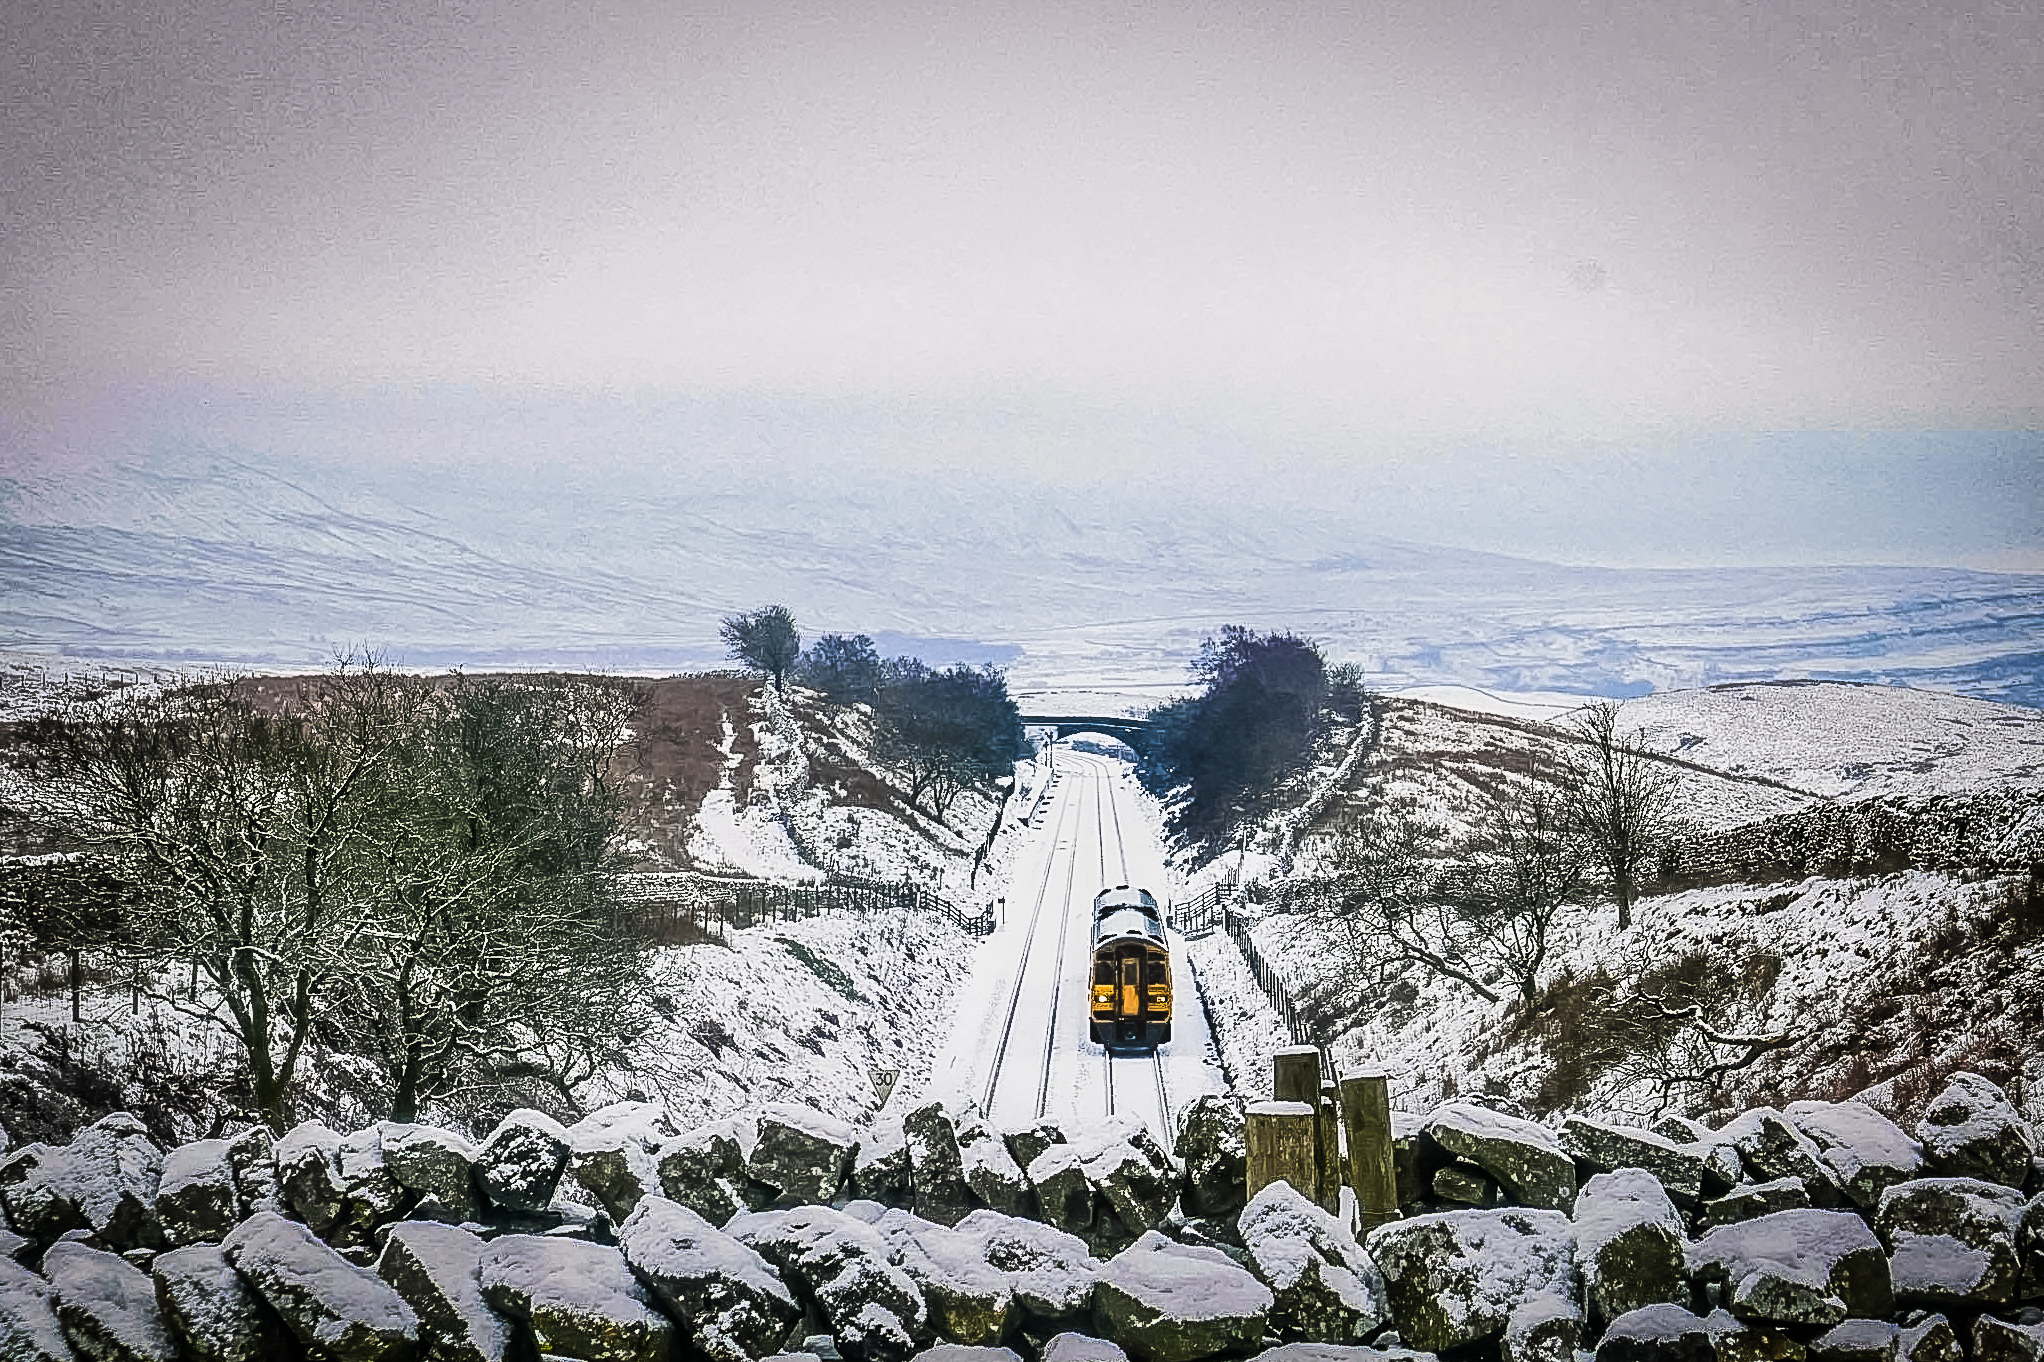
column 1996, row 829
column 740, row 1241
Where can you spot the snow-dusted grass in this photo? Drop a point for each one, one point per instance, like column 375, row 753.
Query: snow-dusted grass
column 1839, row 739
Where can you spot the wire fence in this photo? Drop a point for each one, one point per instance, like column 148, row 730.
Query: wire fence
column 1209, row 911
column 681, row 908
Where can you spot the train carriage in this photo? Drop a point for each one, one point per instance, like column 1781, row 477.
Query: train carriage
column 1131, row 993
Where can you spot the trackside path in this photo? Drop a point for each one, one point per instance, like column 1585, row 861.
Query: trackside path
column 1019, row 1046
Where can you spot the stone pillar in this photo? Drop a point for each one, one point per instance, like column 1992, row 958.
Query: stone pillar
column 1328, row 1114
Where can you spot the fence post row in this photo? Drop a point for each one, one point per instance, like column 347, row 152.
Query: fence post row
column 704, row 900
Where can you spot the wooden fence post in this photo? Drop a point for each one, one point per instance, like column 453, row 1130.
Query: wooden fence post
column 1295, row 1074
column 1366, row 1111
column 1328, row 1121
column 1295, row 1077
column 1281, row 1140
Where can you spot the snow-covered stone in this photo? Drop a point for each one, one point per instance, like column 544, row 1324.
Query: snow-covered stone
column 613, row 1154
column 30, row 1191
column 1467, row 1184
column 436, row 1268
column 990, row 1170
column 1771, row 1148
column 1050, row 1271
column 871, row 1305
column 108, row 1306
column 966, row 1352
column 1325, row 1288
column 1073, row 1347
column 373, row 1193
column 968, row 1299
column 104, row 1181
column 1797, row 1268
column 880, row 1170
column 1970, row 1130
column 436, row 1166
column 1341, row 1352
column 195, row 1197
column 29, row 1328
column 1167, row 1302
column 1129, row 1170
column 1997, row 1340
column 1064, row 1195
column 1606, row 1149
column 1211, row 1144
column 1754, row 1200
column 1858, row 1340
column 936, row 1169
column 1026, row 1144
column 1520, row 1154
column 1455, row 1278
column 1657, row 1333
column 1545, row 1327
column 1952, row 1242
column 342, row 1311
column 1739, row 1340
column 698, row 1168
column 1629, row 1244
column 252, row 1154
column 215, row 1313
column 802, row 1154
column 729, row 1300
column 1865, row 1150
column 579, row 1299
column 309, row 1181
column 1930, row 1339
column 519, row 1164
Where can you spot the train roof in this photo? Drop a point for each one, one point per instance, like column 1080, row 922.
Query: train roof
column 1121, row 896
column 1121, row 913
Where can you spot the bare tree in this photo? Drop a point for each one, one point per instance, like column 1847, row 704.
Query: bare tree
column 1522, row 870
column 1619, row 794
column 765, row 639
column 241, row 828
column 495, row 942
column 375, row 865
column 1381, row 887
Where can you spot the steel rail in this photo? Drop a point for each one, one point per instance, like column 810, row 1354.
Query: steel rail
column 1022, row 967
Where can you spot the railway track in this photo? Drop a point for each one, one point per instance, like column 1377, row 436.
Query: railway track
column 1049, row 965
column 1015, row 994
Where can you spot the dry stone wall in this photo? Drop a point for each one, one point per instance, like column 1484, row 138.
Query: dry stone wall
column 1822, row 1232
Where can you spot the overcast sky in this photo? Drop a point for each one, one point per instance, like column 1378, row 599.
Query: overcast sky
column 1432, row 241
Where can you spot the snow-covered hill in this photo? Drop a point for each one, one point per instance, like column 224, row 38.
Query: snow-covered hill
column 1876, row 980
column 214, row 555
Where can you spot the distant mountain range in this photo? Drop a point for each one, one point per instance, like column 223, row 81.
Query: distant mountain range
column 213, row 556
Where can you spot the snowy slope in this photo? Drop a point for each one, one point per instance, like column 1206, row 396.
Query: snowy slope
column 1880, row 982
column 1837, row 739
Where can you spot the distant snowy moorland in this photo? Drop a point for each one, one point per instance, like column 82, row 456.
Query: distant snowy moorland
column 212, row 557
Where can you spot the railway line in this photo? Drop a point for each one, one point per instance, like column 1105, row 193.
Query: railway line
column 1022, row 1047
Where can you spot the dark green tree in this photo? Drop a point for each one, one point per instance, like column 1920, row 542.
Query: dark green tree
column 765, row 639
column 847, row 670
column 1224, row 750
column 947, row 731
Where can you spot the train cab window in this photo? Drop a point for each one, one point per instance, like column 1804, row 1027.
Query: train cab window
column 1103, row 970
column 1156, row 970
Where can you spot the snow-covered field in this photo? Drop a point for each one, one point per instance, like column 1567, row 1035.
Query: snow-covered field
column 1841, row 740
